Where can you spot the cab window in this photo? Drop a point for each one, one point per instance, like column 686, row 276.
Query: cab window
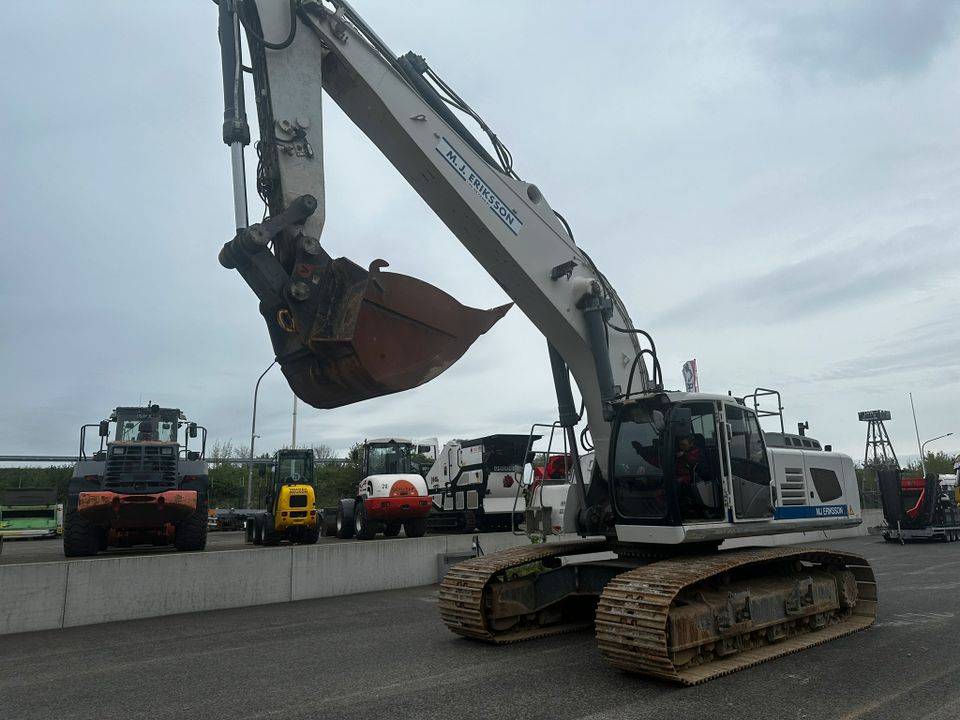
column 298, row 501
column 748, row 458
column 638, row 487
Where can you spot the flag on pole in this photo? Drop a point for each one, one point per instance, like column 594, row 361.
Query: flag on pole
column 690, row 379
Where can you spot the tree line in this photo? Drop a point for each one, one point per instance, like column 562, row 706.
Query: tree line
column 228, row 480
column 338, row 479
column 333, row 478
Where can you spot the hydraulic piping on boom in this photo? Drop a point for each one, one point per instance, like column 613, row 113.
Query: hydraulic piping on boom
column 675, row 474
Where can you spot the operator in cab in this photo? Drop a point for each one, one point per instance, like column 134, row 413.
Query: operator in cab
column 687, row 458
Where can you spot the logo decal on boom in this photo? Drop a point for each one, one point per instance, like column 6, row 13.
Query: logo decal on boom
column 469, row 175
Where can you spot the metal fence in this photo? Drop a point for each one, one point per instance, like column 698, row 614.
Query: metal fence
column 870, row 500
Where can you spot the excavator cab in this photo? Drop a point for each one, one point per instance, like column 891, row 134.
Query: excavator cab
column 673, row 457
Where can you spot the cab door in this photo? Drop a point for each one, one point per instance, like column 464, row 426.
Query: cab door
column 746, row 465
column 701, row 488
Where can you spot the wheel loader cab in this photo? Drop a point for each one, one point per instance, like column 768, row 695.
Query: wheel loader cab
column 392, row 457
column 688, row 458
column 295, row 465
column 151, row 424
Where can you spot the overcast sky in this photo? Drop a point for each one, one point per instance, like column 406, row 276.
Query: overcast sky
column 771, row 187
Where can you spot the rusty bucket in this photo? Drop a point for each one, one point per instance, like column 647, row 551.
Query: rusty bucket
column 362, row 333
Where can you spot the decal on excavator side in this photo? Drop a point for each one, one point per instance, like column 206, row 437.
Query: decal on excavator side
column 804, row 511
column 506, row 215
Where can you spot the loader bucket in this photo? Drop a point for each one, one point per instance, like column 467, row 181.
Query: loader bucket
column 366, row 333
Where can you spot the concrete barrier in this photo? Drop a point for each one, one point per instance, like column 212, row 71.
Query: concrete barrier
column 32, row 596
column 43, row 596
column 345, row 568
column 110, row 589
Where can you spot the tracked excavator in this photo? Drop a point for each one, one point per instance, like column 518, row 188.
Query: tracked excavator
column 675, row 475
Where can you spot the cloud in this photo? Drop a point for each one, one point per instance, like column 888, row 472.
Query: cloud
column 771, row 229
column 864, row 40
column 930, row 352
column 836, row 278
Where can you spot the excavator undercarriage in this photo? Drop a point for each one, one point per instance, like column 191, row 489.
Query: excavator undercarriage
column 685, row 619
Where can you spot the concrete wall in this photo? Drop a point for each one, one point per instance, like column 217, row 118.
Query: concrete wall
column 42, row 596
column 32, row 596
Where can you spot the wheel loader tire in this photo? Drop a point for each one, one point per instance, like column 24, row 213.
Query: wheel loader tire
column 258, row 530
column 415, row 528
column 271, row 537
column 248, row 529
column 364, row 528
column 345, row 519
column 191, row 533
column 81, row 538
column 392, row 529
column 310, row 537
column 328, row 525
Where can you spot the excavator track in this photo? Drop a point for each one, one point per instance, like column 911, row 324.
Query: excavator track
column 640, row 617
column 464, row 604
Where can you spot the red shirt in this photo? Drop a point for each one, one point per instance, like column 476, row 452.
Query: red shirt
column 686, row 460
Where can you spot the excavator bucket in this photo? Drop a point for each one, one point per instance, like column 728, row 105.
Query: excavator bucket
column 365, row 333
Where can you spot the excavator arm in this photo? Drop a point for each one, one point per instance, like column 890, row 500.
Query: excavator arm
column 342, row 333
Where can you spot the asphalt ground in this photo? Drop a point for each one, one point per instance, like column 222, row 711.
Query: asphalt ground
column 34, row 550
column 387, row 655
